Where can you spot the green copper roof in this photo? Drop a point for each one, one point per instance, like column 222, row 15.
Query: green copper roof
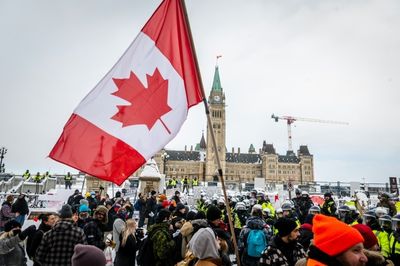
column 197, row 148
column 217, row 82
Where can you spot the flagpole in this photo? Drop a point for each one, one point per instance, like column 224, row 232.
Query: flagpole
column 214, row 143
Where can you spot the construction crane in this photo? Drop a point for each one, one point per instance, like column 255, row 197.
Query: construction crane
column 291, row 119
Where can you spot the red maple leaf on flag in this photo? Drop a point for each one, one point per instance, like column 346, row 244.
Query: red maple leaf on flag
column 147, row 104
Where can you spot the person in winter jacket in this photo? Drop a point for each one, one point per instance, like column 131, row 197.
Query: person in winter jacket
column 305, row 203
column 83, row 216
column 5, row 212
column 48, row 220
column 95, row 228
column 205, row 247
column 188, row 230
column 375, row 258
column 11, row 251
column 386, row 202
column 57, row 245
column 151, row 208
column 126, row 254
column 163, row 244
column 91, row 198
column 255, row 222
column 180, row 211
column 335, row 243
column 177, row 197
column 74, row 200
column 214, row 218
column 371, row 248
column 118, row 227
column 142, row 211
column 20, row 206
column 329, row 206
column 283, row 249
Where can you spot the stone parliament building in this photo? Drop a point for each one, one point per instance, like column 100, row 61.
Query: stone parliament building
column 238, row 167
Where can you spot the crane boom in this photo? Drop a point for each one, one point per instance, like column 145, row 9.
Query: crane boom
column 291, row 119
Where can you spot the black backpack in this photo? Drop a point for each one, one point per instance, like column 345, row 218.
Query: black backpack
column 145, row 256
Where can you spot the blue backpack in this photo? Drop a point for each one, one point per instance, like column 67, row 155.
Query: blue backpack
column 256, row 243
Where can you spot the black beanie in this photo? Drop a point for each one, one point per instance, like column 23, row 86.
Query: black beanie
column 285, row 226
column 180, row 206
column 213, row 213
column 161, row 215
column 191, row 215
column 200, row 215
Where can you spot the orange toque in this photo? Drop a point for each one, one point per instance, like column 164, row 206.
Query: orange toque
column 333, row 236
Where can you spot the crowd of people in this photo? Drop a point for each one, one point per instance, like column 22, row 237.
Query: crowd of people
column 169, row 232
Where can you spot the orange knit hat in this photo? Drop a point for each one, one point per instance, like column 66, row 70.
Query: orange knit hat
column 333, row 236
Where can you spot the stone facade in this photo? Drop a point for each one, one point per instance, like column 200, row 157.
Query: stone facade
column 237, row 167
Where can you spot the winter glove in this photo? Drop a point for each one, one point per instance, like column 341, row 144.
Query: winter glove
column 27, row 232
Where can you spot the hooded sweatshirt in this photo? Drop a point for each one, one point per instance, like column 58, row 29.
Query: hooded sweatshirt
column 188, row 230
column 204, row 245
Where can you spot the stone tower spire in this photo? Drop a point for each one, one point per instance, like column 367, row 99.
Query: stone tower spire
column 202, row 148
column 216, row 101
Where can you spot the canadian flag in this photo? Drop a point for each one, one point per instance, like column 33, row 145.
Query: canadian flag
column 139, row 106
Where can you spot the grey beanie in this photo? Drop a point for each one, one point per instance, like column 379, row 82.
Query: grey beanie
column 65, row 212
column 85, row 255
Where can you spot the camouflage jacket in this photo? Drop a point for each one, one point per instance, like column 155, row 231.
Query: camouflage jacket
column 163, row 244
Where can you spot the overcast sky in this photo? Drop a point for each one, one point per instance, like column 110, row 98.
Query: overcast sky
column 332, row 60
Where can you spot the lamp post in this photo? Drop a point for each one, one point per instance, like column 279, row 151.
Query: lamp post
column 164, row 157
column 301, row 174
column 3, row 151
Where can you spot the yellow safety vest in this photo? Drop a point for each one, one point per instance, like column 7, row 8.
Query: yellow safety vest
column 237, row 223
column 394, row 246
column 350, row 203
column 397, row 205
column 383, row 240
column 268, row 205
column 195, row 182
column 354, row 223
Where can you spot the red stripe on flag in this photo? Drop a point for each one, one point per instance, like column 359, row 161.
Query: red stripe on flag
column 86, row 147
column 168, row 29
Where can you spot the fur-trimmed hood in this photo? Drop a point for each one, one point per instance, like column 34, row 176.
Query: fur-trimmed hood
column 192, row 226
column 376, row 258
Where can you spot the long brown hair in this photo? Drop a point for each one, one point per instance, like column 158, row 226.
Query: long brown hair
column 130, row 229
